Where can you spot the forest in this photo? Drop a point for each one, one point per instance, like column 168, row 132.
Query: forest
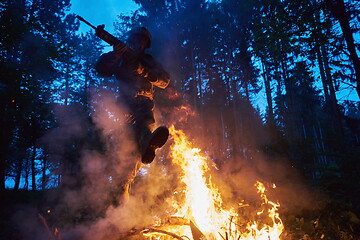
column 268, row 89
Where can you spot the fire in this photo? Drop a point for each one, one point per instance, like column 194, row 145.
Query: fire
column 203, row 205
column 271, row 231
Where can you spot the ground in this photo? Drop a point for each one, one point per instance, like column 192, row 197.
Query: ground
column 22, row 210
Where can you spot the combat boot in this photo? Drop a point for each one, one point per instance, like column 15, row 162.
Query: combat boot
column 156, row 140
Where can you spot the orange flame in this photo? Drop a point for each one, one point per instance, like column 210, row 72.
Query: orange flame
column 203, row 204
column 271, row 231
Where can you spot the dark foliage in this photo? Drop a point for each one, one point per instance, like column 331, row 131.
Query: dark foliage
column 301, row 57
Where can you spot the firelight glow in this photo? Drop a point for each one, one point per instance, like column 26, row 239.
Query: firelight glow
column 203, row 204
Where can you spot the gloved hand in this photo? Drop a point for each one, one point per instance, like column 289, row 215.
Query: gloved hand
column 99, row 31
column 141, row 70
column 146, row 73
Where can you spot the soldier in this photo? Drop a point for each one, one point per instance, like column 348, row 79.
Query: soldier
column 137, row 78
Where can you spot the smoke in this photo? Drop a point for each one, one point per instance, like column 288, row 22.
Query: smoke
column 239, row 154
column 139, row 211
column 26, row 219
column 93, row 196
column 238, row 177
column 111, row 116
column 90, row 202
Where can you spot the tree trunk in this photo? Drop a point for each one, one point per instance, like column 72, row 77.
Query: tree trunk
column 326, row 77
column 33, row 172
column 18, row 172
column 26, row 183
column 339, row 10
column 236, row 138
column 3, row 154
column 194, row 76
column 292, row 121
column 322, row 74
column 67, row 87
column 270, row 112
column 223, row 134
column 6, row 124
column 319, row 56
column 333, row 103
column 44, row 177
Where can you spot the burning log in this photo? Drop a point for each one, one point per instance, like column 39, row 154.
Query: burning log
column 196, row 233
column 146, row 233
column 153, row 230
column 136, row 233
column 167, row 223
column 174, row 220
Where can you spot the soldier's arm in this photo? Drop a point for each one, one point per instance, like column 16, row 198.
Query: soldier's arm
column 155, row 73
column 106, row 64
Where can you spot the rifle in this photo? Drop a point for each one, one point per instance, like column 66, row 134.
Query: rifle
column 131, row 56
column 110, row 39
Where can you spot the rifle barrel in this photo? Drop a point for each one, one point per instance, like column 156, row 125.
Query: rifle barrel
column 82, row 19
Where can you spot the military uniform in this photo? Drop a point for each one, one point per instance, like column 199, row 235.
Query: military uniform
column 137, row 79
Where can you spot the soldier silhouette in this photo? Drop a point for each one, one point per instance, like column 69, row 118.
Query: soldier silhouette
column 138, row 79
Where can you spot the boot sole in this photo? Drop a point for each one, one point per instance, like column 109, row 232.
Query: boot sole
column 158, row 139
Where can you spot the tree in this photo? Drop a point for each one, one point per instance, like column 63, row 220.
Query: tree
column 340, row 12
column 29, row 49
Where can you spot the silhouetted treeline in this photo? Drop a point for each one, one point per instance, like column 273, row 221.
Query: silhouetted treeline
column 299, row 58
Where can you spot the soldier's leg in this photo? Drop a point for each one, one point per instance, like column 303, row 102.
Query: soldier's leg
column 130, row 180
column 144, row 120
column 148, row 141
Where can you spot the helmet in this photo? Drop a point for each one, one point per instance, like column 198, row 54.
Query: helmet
column 142, row 31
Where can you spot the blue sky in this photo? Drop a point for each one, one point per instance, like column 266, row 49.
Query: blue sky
column 102, row 12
